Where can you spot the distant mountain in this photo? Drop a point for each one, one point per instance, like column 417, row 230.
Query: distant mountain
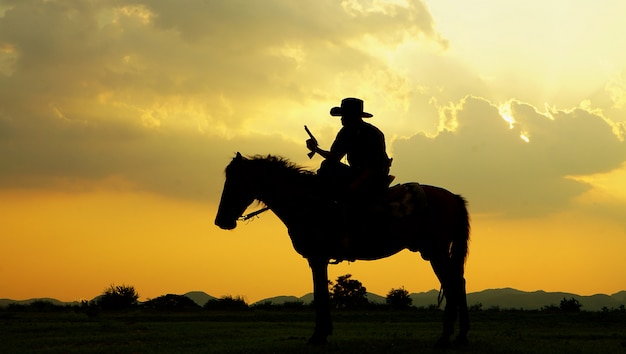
column 376, row 299
column 505, row 298
column 419, row 299
column 620, row 296
column 425, row 299
column 308, row 298
column 199, row 297
column 508, row 298
column 6, row 302
column 279, row 300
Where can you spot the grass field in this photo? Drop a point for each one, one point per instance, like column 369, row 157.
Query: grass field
column 261, row 331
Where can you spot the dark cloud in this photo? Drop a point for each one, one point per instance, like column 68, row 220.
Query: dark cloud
column 250, row 25
column 176, row 164
column 486, row 160
column 92, row 89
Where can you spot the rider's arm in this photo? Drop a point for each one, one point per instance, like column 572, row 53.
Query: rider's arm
column 327, row 154
column 312, row 145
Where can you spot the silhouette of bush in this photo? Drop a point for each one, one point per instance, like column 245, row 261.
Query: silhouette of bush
column 36, row 306
column 294, row 305
column 566, row 305
column 90, row 308
column 348, row 293
column 285, row 306
column 570, row 305
column 226, row 303
column 171, row 302
column 14, row 307
column 495, row 308
column 265, row 305
column 550, row 308
column 476, row 307
column 121, row 297
column 44, row 306
column 398, row 299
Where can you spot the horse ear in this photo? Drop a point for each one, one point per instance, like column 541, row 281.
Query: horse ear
column 238, row 156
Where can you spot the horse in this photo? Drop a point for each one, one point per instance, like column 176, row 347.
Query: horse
column 323, row 233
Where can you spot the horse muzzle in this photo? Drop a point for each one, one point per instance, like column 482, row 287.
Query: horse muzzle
column 225, row 224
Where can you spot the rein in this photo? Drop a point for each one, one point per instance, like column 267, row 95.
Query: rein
column 253, row 214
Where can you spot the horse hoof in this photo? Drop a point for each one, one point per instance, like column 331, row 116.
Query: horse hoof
column 317, row 340
column 442, row 343
column 461, row 341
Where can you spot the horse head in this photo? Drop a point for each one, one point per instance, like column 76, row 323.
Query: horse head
column 237, row 194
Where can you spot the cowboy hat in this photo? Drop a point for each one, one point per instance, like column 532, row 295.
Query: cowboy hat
column 350, row 106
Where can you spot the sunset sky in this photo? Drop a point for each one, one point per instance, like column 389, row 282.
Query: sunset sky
column 117, row 119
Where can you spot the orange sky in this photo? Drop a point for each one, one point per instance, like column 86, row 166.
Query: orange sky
column 117, row 120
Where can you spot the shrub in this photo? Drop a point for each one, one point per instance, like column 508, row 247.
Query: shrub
column 171, row 302
column 226, row 303
column 119, row 297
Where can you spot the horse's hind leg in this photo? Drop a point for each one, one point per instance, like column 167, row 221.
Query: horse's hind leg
column 463, row 315
column 453, row 286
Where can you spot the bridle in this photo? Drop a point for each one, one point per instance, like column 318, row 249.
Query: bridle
column 253, row 214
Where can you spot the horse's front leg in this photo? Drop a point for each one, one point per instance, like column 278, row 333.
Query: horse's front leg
column 321, row 301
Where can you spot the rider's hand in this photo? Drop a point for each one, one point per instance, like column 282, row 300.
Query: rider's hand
column 311, row 144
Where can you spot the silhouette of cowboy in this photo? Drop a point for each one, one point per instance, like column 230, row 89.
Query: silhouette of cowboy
column 367, row 172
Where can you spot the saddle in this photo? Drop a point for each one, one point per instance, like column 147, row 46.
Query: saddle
column 403, row 200
column 397, row 202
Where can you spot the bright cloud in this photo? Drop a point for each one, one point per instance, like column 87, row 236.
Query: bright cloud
column 486, row 157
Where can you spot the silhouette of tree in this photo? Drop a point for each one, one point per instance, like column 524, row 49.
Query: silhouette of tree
column 398, row 299
column 348, row 293
column 119, row 297
column 571, row 305
column 171, row 302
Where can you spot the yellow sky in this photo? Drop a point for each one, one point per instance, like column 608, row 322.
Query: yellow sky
column 118, row 118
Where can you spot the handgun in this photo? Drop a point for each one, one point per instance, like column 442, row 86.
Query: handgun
column 310, row 154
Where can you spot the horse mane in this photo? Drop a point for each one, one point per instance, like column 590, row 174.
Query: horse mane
column 272, row 164
column 279, row 164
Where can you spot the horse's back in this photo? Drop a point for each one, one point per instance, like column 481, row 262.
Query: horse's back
column 441, row 197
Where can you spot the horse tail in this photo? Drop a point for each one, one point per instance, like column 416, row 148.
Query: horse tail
column 459, row 249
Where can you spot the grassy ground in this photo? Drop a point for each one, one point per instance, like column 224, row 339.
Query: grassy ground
column 286, row 332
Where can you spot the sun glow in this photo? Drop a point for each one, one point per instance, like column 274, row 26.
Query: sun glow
column 524, row 136
column 505, row 112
